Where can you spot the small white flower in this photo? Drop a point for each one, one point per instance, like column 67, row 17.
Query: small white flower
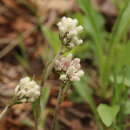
column 70, row 68
column 69, row 32
column 27, row 90
column 63, row 77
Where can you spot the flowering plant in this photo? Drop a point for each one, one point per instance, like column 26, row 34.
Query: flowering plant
column 69, row 69
column 108, row 55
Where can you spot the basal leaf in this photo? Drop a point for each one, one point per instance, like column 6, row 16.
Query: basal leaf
column 108, row 113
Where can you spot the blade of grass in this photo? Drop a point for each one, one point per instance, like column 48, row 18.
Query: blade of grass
column 121, row 26
column 86, row 93
column 53, row 39
column 39, row 108
column 91, row 16
column 119, row 30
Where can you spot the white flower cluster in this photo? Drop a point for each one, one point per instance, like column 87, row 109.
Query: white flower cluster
column 69, row 32
column 27, row 90
column 70, row 68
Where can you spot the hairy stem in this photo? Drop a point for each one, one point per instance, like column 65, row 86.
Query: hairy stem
column 3, row 113
column 60, row 99
column 48, row 70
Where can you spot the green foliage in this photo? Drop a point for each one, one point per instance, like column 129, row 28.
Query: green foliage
column 122, row 25
column 91, row 18
column 120, row 30
column 104, row 48
column 121, row 80
column 44, row 97
column 27, row 122
column 53, row 39
column 127, row 107
column 82, row 51
column 39, row 106
column 93, row 27
column 111, row 51
column 108, row 113
column 119, row 3
column 85, row 92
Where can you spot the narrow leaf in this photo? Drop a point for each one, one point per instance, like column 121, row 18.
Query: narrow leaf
column 84, row 91
column 53, row 39
column 122, row 25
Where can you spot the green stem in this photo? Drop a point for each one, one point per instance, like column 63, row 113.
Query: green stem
column 60, row 99
column 47, row 72
column 97, row 119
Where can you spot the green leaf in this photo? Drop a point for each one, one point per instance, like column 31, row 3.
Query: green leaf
column 121, row 80
column 122, row 25
column 122, row 51
column 127, row 107
column 91, row 18
column 27, row 122
column 84, row 91
column 120, row 30
column 82, row 51
column 39, row 105
column 22, row 60
column 108, row 113
column 53, row 39
column 44, row 97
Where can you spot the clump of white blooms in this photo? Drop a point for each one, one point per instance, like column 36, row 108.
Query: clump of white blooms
column 27, row 90
column 69, row 68
column 69, row 32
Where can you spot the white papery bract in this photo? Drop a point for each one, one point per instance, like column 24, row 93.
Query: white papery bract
column 69, row 68
column 27, row 90
column 69, row 32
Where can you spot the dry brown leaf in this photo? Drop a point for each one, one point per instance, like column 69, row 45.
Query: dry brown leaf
column 76, row 125
column 2, row 20
column 19, row 108
column 64, row 104
column 10, row 3
column 21, row 25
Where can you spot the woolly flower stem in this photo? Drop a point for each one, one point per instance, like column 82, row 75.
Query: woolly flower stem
column 60, row 99
column 3, row 113
column 49, row 67
column 46, row 73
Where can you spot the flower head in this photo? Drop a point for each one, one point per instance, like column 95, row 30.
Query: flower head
column 62, row 63
column 27, row 90
column 70, row 68
column 69, row 32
